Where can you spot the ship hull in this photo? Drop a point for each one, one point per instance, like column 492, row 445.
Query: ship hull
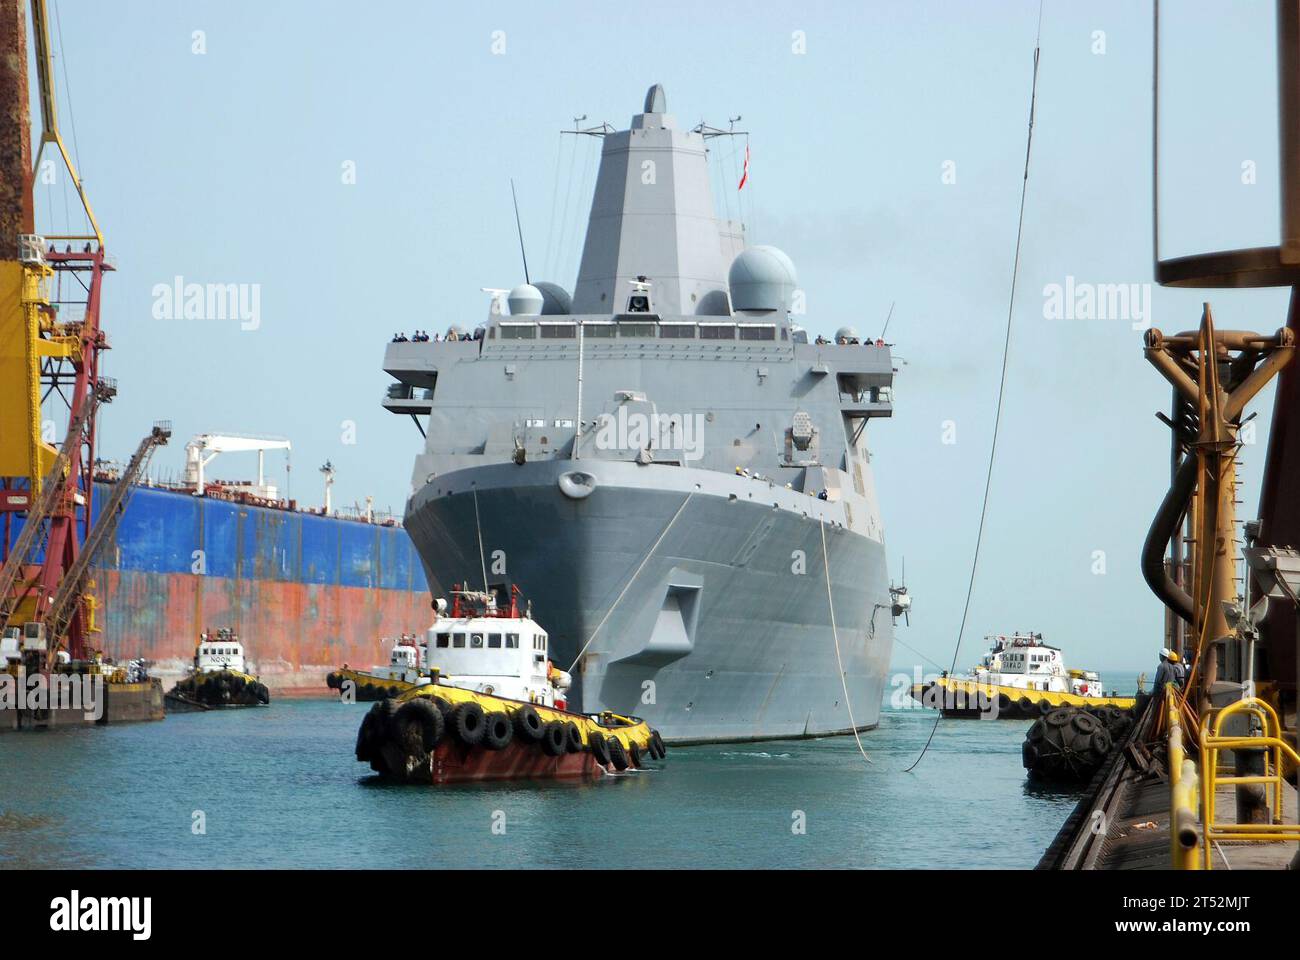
column 693, row 599
column 305, row 593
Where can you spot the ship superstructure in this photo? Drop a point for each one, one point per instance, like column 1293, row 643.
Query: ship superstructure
column 666, row 463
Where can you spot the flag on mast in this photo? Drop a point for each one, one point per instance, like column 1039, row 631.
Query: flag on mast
column 745, row 175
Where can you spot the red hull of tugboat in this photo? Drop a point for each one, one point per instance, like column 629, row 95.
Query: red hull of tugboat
column 452, row 762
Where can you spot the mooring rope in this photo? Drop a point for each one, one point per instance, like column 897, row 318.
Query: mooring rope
column 835, row 634
column 482, row 559
column 631, row 580
column 1002, row 384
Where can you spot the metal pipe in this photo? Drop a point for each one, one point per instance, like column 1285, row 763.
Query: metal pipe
column 1162, row 530
column 1288, row 103
column 1275, row 361
column 1157, row 353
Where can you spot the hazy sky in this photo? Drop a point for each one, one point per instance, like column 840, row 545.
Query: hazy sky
column 229, row 165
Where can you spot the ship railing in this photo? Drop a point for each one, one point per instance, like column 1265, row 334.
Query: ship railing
column 1184, row 825
column 1259, row 716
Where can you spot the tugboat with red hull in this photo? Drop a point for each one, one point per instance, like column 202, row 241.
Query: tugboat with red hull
column 495, row 708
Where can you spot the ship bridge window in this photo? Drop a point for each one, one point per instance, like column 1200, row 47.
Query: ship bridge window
column 444, row 640
column 636, row 330
column 677, row 331
column 512, row 641
column 757, row 331
column 717, row 331
column 597, row 329
column 476, row 640
column 558, row 331
column 458, row 640
column 518, row 331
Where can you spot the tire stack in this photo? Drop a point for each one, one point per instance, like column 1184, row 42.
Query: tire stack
column 1069, row 744
column 224, row 689
column 398, row 740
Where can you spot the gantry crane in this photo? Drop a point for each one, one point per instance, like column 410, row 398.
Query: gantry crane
column 50, row 347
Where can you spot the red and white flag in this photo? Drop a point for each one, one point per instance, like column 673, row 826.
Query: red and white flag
column 745, row 175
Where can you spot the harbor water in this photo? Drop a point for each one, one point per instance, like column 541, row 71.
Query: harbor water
column 278, row 787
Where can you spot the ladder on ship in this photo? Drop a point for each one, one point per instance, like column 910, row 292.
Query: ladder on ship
column 35, row 527
column 67, row 600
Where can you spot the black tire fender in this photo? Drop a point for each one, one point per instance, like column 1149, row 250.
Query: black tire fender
column 498, row 731
column 617, row 754
column 528, row 725
column 553, row 739
column 599, row 748
column 468, row 723
column 420, row 718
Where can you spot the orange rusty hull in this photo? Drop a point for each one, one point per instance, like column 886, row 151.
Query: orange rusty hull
column 294, row 633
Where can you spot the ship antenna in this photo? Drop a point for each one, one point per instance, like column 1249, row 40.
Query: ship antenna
column 519, row 227
column 889, row 316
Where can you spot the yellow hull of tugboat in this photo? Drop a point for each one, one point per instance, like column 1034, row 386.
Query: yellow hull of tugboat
column 628, row 730
column 972, row 688
column 367, row 686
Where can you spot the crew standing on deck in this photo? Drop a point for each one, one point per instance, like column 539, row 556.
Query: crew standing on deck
column 1167, row 673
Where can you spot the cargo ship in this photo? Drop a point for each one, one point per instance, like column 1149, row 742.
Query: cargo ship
column 305, row 590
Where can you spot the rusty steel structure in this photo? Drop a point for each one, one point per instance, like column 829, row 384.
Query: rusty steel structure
column 1278, row 515
column 1216, row 372
column 50, row 346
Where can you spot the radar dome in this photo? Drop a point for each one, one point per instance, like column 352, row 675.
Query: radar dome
column 555, row 299
column 525, row 301
column 762, row 278
column 846, row 334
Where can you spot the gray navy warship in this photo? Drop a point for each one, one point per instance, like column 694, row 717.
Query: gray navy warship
column 665, row 465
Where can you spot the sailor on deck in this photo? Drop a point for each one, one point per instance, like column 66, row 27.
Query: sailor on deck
column 1167, row 672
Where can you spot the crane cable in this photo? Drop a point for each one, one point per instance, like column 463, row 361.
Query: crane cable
column 1002, row 384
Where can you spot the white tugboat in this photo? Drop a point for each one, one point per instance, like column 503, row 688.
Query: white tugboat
column 220, row 677
column 406, row 669
column 1025, row 676
column 492, row 706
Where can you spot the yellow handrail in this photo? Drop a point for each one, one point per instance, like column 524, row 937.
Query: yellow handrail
column 1184, row 828
column 1273, row 746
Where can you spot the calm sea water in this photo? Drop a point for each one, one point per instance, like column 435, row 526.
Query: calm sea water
column 279, row 787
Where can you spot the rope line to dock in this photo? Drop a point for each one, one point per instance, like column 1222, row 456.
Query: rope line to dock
column 482, row 559
column 835, row 635
column 1002, row 383
column 630, row 580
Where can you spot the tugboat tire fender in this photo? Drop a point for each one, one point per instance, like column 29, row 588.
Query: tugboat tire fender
column 599, row 747
column 617, row 754
column 468, row 722
column 528, row 724
column 572, row 738
column 553, row 739
column 425, row 718
column 498, row 731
